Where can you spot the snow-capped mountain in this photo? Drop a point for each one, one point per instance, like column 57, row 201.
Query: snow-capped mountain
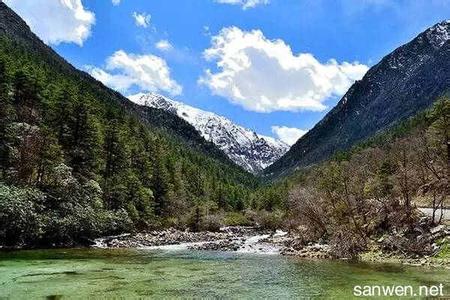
column 245, row 147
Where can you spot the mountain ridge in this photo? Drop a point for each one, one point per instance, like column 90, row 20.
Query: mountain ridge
column 245, row 147
column 404, row 82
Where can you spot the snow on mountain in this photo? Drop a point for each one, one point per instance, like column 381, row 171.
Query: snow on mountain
column 245, row 147
column 439, row 34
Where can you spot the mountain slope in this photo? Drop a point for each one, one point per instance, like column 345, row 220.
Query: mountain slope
column 12, row 26
column 78, row 160
column 249, row 150
column 403, row 83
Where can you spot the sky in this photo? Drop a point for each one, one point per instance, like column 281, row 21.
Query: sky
column 273, row 66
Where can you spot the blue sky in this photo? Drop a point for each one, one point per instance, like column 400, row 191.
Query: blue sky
column 256, row 51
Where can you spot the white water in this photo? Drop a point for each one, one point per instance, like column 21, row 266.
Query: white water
column 173, row 247
column 252, row 244
column 429, row 212
column 101, row 242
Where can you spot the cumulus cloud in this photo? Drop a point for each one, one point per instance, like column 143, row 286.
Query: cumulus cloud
column 142, row 19
column 56, row 21
column 115, row 2
column 264, row 75
column 148, row 73
column 289, row 135
column 245, row 4
column 164, row 45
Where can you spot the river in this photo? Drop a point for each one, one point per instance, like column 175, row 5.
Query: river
column 181, row 273
column 439, row 214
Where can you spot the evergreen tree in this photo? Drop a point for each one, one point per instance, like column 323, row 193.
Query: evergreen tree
column 60, row 115
column 84, row 141
column 160, row 182
column 114, row 150
column 26, row 97
column 6, row 117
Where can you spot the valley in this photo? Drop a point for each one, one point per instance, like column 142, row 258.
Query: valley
column 111, row 194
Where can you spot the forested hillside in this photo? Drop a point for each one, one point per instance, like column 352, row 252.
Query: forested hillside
column 79, row 160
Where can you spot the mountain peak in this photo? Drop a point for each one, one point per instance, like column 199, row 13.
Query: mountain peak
column 245, row 147
column 439, row 34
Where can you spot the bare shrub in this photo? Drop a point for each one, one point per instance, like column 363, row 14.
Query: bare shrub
column 270, row 220
column 347, row 244
column 306, row 208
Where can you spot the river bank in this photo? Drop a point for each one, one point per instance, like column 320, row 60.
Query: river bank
column 232, row 238
column 254, row 240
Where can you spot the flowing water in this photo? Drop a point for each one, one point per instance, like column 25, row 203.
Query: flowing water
column 181, row 273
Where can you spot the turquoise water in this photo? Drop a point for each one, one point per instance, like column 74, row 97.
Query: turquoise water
column 98, row 273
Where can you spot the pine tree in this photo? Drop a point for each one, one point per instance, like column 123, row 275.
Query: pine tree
column 61, row 115
column 84, row 141
column 26, row 97
column 7, row 113
column 114, row 151
column 160, row 182
column 115, row 159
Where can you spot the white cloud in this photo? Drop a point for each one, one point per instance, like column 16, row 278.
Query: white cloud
column 245, row 4
column 149, row 73
column 164, row 45
column 289, row 135
column 115, row 2
column 264, row 75
column 56, row 21
column 142, row 20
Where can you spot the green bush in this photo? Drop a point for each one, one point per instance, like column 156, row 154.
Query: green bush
column 20, row 220
column 83, row 223
column 236, row 219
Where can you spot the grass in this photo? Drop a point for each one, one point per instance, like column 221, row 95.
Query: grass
column 444, row 253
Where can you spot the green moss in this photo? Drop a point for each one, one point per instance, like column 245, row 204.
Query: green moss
column 444, row 251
